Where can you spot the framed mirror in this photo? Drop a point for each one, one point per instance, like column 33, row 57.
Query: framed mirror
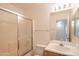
column 75, row 28
column 59, row 25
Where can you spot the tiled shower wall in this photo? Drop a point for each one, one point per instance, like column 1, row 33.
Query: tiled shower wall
column 42, row 26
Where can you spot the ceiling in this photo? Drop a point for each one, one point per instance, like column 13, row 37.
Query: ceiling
column 25, row 6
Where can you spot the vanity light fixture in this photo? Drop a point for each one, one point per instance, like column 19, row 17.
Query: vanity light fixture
column 64, row 6
column 69, row 4
column 59, row 7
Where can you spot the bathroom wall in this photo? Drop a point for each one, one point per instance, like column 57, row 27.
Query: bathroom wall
column 42, row 15
column 42, row 28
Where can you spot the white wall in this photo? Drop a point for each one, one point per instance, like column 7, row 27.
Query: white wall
column 42, row 15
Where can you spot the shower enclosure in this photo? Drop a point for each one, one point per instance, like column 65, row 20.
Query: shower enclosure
column 15, row 33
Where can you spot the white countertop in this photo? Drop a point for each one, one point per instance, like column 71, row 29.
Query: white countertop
column 54, row 46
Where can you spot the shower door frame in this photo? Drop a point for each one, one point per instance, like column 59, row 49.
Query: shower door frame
column 18, row 14
column 31, row 37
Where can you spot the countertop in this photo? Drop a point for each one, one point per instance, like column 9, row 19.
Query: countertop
column 68, row 49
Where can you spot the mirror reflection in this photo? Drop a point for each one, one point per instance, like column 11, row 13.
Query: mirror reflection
column 61, row 30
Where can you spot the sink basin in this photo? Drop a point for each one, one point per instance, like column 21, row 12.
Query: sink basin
column 60, row 48
column 66, row 48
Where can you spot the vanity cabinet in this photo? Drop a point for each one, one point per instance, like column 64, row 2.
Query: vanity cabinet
column 48, row 53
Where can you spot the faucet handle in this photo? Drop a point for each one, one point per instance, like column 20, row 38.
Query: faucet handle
column 61, row 44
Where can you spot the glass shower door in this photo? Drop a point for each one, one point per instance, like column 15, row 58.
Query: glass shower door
column 15, row 34
column 8, row 33
column 24, row 35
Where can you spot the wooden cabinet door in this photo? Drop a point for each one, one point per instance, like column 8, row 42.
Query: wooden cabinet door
column 47, row 53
